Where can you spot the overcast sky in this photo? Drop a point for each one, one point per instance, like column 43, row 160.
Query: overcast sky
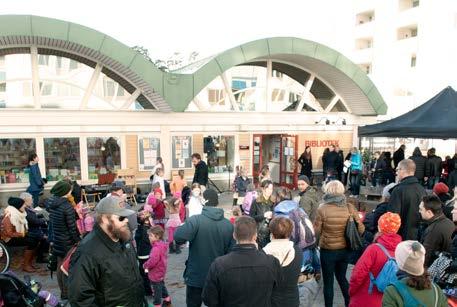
column 205, row 26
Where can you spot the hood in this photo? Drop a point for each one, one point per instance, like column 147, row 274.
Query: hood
column 417, row 152
column 161, row 245
column 284, row 207
column 389, row 240
column 55, row 201
column 213, row 213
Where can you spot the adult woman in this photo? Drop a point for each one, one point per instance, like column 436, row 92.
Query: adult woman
column 331, row 221
column 262, row 211
column 306, row 162
column 36, row 183
column 355, row 171
column 413, row 280
column 14, row 230
column 324, row 162
column 373, row 260
column 290, row 259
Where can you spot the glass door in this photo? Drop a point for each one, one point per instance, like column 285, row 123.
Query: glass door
column 288, row 161
column 257, row 157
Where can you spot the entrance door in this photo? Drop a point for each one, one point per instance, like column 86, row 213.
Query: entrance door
column 288, row 161
column 257, row 162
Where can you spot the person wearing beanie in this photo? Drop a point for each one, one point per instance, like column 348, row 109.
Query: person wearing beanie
column 414, row 285
column 373, row 260
column 437, row 235
column 309, row 200
column 210, row 235
column 64, row 232
column 442, row 191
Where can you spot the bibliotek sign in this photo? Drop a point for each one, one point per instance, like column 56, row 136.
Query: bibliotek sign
column 321, row 143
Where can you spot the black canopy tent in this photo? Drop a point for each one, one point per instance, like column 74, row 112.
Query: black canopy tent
column 435, row 119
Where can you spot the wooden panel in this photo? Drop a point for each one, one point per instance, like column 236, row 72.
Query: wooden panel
column 197, row 144
column 132, row 156
column 245, row 155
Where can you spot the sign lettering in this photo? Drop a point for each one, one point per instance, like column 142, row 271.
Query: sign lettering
column 321, row 143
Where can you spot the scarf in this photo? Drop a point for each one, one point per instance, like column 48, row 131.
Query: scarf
column 279, row 248
column 339, row 200
column 17, row 219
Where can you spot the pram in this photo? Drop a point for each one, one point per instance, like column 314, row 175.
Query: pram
column 14, row 292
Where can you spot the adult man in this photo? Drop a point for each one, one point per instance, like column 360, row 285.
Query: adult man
column 308, row 197
column 210, row 236
column 104, row 270
column 201, row 171
column 420, row 162
column 332, row 161
column 244, row 277
column 340, row 165
column 405, row 199
column 433, row 168
column 437, row 236
column 117, row 190
column 399, row 155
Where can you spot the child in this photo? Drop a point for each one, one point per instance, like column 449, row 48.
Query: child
column 178, row 182
column 155, row 206
column 235, row 192
column 143, row 247
column 251, row 195
column 182, row 207
column 196, row 202
column 158, row 178
column 236, row 212
column 156, row 266
column 172, row 205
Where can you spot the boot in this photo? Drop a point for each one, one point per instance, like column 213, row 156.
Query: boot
column 28, row 258
column 177, row 248
column 171, row 248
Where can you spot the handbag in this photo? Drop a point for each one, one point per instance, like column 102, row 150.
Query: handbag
column 65, row 267
column 440, row 270
column 353, row 239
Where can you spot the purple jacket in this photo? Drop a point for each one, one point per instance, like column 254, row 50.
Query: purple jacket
column 157, row 262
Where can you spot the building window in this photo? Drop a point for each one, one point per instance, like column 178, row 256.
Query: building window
column 364, row 17
column 407, row 32
column 413, row 61
column 220, row 151
column 215, row 96
column 408, row 4
column 103, row 155
column 363, row 43
column 148, row 151
column 62, row 158
column 14, row 155
column 43, row 59
column 277, row 95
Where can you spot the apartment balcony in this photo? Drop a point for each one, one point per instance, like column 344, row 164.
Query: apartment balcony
column 408, row 17
column 364, row 30
column 363, row 55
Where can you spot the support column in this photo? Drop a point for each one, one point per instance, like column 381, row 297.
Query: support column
column 35, row 77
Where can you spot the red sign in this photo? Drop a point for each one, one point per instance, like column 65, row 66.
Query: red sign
column 321, row 143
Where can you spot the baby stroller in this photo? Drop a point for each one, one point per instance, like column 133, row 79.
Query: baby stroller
column 14, row 292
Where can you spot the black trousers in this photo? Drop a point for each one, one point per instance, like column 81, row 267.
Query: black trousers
column 144, row 276
column 334, row 263
column 193, row 296
column 160, row 292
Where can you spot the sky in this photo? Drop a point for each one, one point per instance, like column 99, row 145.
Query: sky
column 208, row 27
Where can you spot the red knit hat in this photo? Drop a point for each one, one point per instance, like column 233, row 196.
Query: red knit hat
column 158, row 190
column 440, row 188
column 389, row 223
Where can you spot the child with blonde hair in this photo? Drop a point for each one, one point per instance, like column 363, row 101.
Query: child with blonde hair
column 172, row 205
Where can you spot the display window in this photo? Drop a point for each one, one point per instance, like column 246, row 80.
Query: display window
column 62, row 158
column 220, row 151
column 148, row 151
column 103, row 155
column 14, row 155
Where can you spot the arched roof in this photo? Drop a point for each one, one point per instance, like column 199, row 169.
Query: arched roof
column 172, row 91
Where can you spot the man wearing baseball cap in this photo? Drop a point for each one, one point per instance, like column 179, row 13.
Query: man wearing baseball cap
column 104, row 270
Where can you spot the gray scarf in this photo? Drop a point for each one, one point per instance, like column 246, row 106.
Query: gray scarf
column 339, row 200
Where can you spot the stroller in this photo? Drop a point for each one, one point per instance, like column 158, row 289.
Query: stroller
column 14, row 292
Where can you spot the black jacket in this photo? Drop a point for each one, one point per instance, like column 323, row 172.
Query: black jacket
column 241, row 185
column 372, row 218
column 286, row 293
column 36, row 225
column 244, row 277
column 104, row 273
column 306, row 165
column 398, row 156
column 62, row 225
column 258, row 208
column 332, row 161
column 201, row 173
column 437, row 238
column 210, row 235
column 404, row 200
column 420, row 162
column 433, row 166
column 143, row 246
column 452, row 180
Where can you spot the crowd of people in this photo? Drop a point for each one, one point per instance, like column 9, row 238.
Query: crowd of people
column 118, row 256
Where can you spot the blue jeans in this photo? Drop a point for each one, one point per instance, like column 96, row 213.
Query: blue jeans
column 334, row 264
column 355, row 184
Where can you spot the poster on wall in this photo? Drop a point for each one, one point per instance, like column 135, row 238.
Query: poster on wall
column 181, row 151
column 148, row 151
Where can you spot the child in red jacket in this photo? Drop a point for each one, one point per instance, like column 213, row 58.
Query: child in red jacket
column 155, row 205
column 156, row 266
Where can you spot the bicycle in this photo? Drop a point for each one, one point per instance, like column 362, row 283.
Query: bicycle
column 4, row 258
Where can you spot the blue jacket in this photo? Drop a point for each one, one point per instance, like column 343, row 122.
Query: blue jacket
column 36, row 183
column 356, row 160
column 284, row 207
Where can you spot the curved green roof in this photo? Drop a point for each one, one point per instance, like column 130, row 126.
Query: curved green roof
column 172, row 91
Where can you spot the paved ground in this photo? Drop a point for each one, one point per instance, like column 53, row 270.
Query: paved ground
column 310, row 291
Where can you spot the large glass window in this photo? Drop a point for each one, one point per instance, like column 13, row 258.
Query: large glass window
column 14, row 70
column 62, row 158
column 221, row 151
column 148, row 151
column 14, row 154
column 104, row 155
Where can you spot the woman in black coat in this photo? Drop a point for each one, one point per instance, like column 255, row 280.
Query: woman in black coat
column 306, row 162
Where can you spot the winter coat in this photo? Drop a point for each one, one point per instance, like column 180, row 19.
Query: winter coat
column 331, row 224
column 143, row 246
column 398, row 156
column 433, row 167
column 420, row 162
column 8, row 231
column 452, row 180
column 36, row 183
column 372, row 260
column 306, row 165
column 356, row 162
column 332, row 161
column 241, row 185
column 157, row 262
column 104, row 273
column 437, row 237
column 258, row 209
column 372, row 218
column 210, row 235
column 244, row 277
column 309, row 202
column 36, row 225
column 62, row 225
column 201, row 173
column 404, row 200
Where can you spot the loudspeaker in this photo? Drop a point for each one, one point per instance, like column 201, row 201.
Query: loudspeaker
column 208, row 145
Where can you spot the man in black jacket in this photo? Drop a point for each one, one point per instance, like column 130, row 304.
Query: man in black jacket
column 433, row 168
column 420, row 162
column 104, row 269
column 405, row 199
column 244, row 277
column 201, row 170
column 210, row 236
column 437, row 236
column 399, row 155
column 332, row 161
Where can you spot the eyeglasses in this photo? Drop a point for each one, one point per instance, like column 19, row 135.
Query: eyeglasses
column 122, row 218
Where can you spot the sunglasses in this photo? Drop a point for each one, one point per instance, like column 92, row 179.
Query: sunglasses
column 122, row 218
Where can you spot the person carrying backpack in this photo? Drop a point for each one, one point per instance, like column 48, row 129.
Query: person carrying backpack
column 376, row 267
column 414, row 286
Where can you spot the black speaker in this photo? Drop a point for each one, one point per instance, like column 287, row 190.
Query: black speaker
column 208, row 145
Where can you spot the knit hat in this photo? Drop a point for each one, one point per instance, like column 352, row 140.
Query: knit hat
column 389, row 223
column 16, row 202
column 440, row 188
column 304, row 178
column 61, row 188
column 387, row 189
column 410, row 257
column 158, row 190
column 211, row 197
